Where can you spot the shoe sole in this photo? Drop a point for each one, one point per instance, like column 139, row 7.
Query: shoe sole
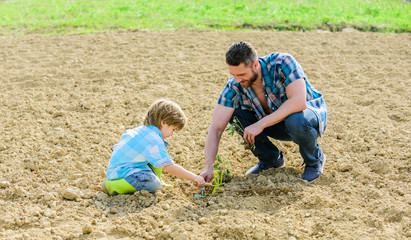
column 283, row 165
column 103, row 186
column 322, row 169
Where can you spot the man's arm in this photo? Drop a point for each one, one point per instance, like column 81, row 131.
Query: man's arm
column 221, row 117
column 296, row 102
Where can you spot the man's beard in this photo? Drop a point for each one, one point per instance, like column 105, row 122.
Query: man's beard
column 251, row 80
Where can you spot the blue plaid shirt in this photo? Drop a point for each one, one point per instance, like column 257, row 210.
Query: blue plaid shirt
column 137, row 148
column 278, row 70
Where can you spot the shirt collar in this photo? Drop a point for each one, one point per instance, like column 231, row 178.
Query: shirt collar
column 156, row 130
column 264, row 72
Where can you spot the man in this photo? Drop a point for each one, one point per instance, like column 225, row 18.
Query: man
column 271, row 97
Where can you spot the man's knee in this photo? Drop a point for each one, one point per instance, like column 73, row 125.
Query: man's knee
column 301, row 123
column 295, row 122
column 298, row 125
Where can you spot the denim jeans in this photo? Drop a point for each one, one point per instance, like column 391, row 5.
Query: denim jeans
column 144, row 180
column 301, row 128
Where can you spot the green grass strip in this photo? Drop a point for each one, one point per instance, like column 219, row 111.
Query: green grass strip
column 87, row 16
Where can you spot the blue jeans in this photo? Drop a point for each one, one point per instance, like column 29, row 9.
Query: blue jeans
column 144, row 180
column 301, row 128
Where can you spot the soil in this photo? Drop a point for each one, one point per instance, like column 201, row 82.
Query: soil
column 67, row 99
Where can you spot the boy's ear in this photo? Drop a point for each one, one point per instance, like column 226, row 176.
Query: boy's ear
column 162, row 123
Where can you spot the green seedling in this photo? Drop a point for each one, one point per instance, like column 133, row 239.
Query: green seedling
column 236, row 126
column 219, row 171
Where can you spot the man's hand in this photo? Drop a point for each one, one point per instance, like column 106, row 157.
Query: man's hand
column 251, row 132
column 207, row 175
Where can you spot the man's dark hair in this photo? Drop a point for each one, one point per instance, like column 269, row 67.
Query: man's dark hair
column 241, row 52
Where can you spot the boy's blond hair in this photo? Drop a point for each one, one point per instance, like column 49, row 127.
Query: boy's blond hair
column 167, row 111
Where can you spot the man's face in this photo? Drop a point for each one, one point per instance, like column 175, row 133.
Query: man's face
column 244, row 75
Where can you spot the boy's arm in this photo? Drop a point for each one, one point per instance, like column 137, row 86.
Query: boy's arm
column 180, row 172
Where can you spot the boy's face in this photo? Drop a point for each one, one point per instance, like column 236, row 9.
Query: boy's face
column 167, row 130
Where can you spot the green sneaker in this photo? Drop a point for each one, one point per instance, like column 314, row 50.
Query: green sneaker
column 119, row 186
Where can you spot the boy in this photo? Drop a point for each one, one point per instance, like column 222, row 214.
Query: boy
column 142, row 152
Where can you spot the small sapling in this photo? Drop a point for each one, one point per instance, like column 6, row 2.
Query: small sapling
column 236, row 126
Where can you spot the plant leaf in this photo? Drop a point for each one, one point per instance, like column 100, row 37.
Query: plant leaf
column 219, row 159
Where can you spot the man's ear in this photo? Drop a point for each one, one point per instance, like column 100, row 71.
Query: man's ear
column 256, row 63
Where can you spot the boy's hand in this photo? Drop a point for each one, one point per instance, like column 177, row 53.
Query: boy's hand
column 200, row 181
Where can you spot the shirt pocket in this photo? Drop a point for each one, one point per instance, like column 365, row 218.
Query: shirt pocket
column 246, row 105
